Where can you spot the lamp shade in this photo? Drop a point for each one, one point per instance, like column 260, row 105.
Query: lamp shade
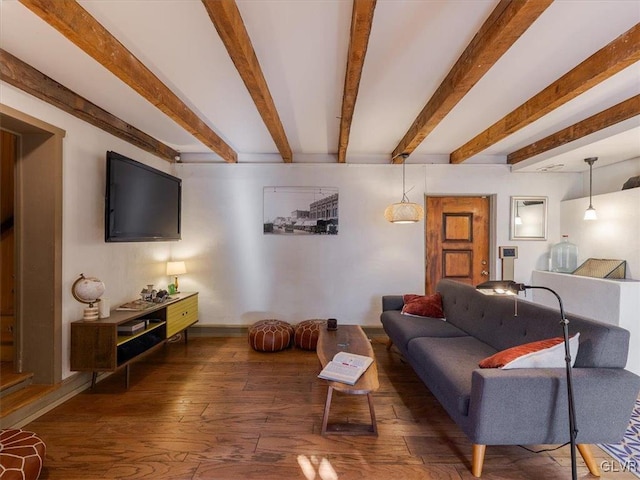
column 590, row 213
column 176, row 268
column 500, row 287
column 404, row 212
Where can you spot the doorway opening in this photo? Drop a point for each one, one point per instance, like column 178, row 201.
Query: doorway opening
column 33, row 269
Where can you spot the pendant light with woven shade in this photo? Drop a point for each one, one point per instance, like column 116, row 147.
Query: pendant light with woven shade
column 404, row 211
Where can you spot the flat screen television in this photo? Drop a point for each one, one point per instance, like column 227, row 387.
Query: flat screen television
column 142, row 204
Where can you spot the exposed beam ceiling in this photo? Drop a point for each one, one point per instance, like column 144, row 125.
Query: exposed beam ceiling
column 17, row 73
column 75, row 23
column 611, row 59
column 436, row 74
column 361, row 22
column 508, row 21
column 616, row 114
column 228, row 22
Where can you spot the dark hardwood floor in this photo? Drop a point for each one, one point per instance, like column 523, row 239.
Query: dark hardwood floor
column 215, row 409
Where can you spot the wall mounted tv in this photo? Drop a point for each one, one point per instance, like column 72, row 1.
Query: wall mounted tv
column 142, row 204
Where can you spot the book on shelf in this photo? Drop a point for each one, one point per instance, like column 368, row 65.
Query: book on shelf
column 132, row 326
column 346, row 367
column 135, row 305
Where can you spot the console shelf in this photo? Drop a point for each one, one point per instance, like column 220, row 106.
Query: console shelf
column 96, row 345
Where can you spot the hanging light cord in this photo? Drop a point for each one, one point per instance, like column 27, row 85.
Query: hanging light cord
column 405, row 199
column 590, row 183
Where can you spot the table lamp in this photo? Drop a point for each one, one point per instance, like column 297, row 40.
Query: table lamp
column 174, row 269
column 509, row 287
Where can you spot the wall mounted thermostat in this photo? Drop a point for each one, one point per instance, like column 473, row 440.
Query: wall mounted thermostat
column 508, row 255
column 508, row 252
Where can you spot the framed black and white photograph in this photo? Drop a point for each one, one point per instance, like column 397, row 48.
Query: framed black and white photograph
column 301, row 210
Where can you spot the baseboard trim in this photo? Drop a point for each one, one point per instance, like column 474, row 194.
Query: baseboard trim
column 218, row 331
column 68, row 388
column 242, row 331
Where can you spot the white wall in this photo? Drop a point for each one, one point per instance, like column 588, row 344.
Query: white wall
column 610, row 178
column 614, row 235
column 244, row 275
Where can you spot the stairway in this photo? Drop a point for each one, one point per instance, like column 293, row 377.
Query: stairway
column 17, row 392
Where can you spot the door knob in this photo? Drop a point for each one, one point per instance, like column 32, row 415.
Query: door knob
column 484, row 273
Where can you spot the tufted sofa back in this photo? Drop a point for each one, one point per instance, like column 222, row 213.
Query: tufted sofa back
column 491, row 319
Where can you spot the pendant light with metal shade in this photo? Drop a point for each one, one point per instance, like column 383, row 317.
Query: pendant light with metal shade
column 590, row 213
column 404, row 211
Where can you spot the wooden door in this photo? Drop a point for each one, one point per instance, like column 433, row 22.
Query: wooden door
column 457, row 240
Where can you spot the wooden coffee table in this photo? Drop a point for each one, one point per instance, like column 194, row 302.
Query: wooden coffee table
column 352, row 339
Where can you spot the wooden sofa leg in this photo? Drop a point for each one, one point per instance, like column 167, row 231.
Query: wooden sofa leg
column 389, row 344
column 477, row 459
column 587, row 456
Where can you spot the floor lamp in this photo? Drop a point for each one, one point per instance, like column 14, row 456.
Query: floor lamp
column 498, row 287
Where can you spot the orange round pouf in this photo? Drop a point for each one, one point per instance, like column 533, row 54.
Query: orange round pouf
column 307, row 333
column 270, row 335
column 21, row 455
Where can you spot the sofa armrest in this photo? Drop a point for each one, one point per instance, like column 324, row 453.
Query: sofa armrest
column 392, row 302
column 529, row 406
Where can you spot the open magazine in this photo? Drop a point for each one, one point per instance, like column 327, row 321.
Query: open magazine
column 346, row 368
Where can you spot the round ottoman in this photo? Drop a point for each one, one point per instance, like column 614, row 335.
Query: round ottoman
column 21, row 455
column 307, row 333
column 270, row 335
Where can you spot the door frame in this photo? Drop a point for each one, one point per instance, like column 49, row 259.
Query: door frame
column 38, row 255
column 492, row 229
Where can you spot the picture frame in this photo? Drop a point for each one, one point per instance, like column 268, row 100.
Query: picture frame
column 528, row 219
column 301, row 211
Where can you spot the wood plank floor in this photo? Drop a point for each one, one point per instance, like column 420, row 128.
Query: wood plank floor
column 215, row 409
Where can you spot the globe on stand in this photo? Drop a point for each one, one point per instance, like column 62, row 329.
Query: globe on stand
column 88, row 290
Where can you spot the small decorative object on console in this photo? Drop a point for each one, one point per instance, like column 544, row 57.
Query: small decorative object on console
column 332, row 324
column 135, row 305
column 132, row 326
column 88, row 290
column 148, row 294
column 161, row 296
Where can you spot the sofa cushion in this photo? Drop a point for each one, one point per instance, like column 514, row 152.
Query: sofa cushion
column 402, row 328
column 547, row 353
column 445, row 365
column 423, row 305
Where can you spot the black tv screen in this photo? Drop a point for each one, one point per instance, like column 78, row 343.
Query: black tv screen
column 142, row 203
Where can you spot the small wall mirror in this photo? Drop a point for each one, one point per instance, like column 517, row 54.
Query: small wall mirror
column 528, row 218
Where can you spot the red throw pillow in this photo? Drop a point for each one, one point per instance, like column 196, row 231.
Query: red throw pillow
column 423, row 305
column 547, row 353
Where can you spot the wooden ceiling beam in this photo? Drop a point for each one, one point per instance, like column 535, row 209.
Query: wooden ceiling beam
column 622, row 111
column 508, row 21
column 606, row 62
column 361, row 22
column 23, row 76
column 75, row 23
column 228, row 22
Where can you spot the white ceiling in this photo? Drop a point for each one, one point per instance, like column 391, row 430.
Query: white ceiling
column 302, row 49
